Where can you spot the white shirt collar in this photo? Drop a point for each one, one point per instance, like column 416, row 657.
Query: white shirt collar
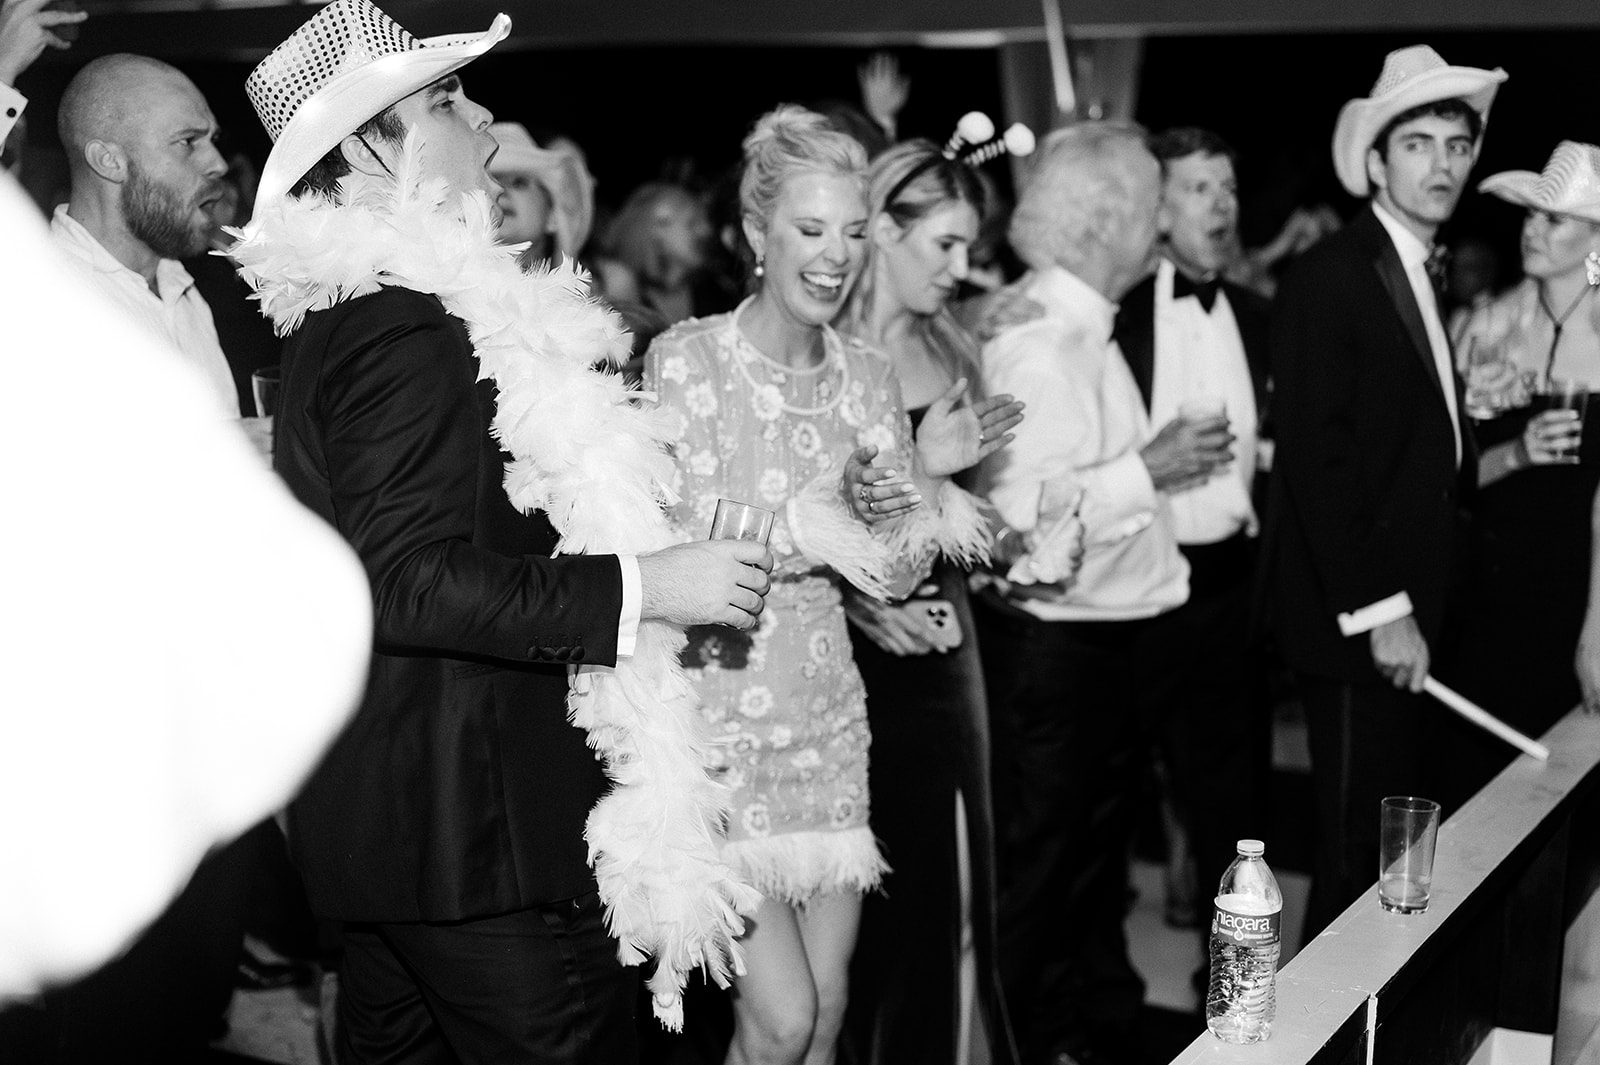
column 171, row 278
column 1413, row 252
column 1064, row 293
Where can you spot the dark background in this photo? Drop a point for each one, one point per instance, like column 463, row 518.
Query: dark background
column 644, row 112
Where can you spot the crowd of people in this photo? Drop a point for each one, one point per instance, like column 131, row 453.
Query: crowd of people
column 1036, row 545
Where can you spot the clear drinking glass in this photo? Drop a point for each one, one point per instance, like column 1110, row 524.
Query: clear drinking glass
column 741, row 521
column 1563, row 394
column 1407, row 834
column 265, row 386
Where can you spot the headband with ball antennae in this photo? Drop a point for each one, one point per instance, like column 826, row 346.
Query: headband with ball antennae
column 975, row 129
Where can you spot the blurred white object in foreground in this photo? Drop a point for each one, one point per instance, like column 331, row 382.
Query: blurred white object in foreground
column 179, row 641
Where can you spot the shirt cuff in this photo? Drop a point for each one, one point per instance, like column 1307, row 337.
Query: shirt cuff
column 632, row 605
column 1369, row 617
column 12, row 104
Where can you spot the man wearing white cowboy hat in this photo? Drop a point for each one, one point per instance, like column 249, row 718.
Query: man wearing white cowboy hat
column 1373, row 455
column 440, row 409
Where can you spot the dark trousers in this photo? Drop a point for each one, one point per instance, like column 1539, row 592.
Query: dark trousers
column 1069, row 752
column 541, row 986
column 163, row 1000
column 1205, row 696
column 1367, row 741
column 930, row 740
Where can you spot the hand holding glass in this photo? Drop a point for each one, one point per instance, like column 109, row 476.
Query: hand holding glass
column 1562, row 394
column 1407, row 834
column 1209, row 415
column 741, row 521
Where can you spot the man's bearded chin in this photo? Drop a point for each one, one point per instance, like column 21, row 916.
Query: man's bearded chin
column 168, row 227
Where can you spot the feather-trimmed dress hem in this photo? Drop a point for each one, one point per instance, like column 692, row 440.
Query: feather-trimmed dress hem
column 796, row 866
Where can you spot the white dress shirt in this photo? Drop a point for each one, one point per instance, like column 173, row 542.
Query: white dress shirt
column 1199, row 355
column 179, row 317
column 1414, row 257
column 12, row 104
column 1086, row 423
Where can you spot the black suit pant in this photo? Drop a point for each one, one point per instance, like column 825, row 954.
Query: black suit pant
column 1070, row 754
column 541, row 986
column 1368, row 740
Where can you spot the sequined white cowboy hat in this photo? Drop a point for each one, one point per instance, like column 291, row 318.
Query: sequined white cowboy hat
column 347, row 63
column 562, row 173
column 1569, row 184
column 1411, row 77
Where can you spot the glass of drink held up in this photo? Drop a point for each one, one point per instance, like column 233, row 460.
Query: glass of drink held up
column 741, row 521
column 1564, row 394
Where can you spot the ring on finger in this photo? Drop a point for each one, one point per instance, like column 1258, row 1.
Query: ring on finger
column 872, row 504
column 864, row 497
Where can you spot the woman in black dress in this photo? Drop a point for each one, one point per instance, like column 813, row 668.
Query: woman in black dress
column 1538, row 469
column 924, row 971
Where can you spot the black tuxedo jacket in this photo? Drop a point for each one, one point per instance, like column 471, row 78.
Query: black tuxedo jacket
column 1136, row 335
column 459, row 790
column 1365, row 497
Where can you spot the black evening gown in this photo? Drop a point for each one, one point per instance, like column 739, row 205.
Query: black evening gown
column 1523, row 606
column 930, row 737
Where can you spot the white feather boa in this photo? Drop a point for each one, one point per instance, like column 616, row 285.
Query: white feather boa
column 594, row 460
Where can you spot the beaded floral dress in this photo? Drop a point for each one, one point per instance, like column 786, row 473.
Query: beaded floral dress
column 785, row 700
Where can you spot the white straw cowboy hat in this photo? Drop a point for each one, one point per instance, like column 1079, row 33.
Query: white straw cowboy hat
column 562, row 173
column 347, row 63
column 1411, row 77
column 1570, row 183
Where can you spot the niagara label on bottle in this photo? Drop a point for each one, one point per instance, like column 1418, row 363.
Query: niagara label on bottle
column 1242, row 997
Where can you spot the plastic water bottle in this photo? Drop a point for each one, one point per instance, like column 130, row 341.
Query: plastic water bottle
column 1243, row 997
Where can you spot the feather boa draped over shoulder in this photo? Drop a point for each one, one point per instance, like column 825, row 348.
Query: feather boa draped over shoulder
column 583, row 451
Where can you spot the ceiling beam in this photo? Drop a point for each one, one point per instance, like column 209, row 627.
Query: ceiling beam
column 237, row 32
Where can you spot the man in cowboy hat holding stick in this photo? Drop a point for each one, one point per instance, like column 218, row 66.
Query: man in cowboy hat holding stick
column 1373, row 456
column 441, row 411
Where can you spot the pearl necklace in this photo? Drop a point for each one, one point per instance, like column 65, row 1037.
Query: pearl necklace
column 745, row 353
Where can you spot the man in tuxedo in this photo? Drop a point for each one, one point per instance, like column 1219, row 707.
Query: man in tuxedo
column 1197, row 342
column 450, row 826
column 1373, row 457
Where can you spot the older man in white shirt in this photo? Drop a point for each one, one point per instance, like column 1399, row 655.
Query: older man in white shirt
column 145, row 169
column 1063, row 660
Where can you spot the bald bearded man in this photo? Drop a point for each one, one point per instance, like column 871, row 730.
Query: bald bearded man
column 140, row 141
column 139, row 136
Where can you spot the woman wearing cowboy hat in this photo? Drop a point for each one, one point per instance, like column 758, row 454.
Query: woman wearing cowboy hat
column 1538, row 471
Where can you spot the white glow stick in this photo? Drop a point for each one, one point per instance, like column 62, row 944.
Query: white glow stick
column 1484, row 720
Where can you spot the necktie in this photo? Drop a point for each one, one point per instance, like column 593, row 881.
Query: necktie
column 1438, row 267
column 1204, row 291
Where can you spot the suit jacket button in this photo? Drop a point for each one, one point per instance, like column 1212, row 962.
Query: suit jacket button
column 577, row 654
column 563, row 653
column 535, row 653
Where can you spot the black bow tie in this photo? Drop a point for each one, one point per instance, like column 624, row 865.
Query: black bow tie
column 1204, row 291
